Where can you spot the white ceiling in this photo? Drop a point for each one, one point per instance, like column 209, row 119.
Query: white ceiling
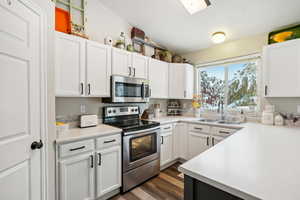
column 168, row 23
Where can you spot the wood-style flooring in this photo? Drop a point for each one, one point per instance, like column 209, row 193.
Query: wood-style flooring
column 167, row 186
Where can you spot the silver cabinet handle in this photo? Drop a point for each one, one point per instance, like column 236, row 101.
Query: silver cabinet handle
column 81, row 88
column 162, row 140
column 167, row 128
column 207, row 141
column 198, row 128
column 9, row 2
column 224, row 132
column 129, row 71
column 78, row 148
column 266, row 90
column 99, row 159
column 213, row 141
column 133, row 72
column 92, row 161
column 109, row 141
column 89, row 89
column 184, row 94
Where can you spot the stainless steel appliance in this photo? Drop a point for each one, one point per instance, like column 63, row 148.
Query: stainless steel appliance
column 127, row 89
column 140, row 144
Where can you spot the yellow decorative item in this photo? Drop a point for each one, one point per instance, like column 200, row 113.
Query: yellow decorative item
column 197, row 101
column 281, row 37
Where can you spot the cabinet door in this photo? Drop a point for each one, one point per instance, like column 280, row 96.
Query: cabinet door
column 197, row 143
column 159, row 78
column 189, row 81
column 77, row 177
column 166, row 155
column 282, row 69
column 121, row 62
column 176, row 81
column 98, row 69
column 182, row 130
column 69, row 65
column 140, row 66
column 181, row 81
column 108, row 170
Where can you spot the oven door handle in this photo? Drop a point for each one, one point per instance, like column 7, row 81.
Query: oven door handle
column 142, row 132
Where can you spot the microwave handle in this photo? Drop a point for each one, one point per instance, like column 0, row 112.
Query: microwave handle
column 143, row 90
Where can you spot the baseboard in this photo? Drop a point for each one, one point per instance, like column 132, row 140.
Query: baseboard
column 169, row 164
column 110, row 194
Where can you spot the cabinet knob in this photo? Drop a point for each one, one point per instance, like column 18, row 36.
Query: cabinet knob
column 9, row 2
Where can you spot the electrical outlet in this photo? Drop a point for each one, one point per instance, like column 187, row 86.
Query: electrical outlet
column 298, row 109
column 82, row 108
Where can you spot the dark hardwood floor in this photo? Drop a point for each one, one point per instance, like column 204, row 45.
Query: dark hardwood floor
column 167, row 186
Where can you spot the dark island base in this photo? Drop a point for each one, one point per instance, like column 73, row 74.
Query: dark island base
column 197, row 190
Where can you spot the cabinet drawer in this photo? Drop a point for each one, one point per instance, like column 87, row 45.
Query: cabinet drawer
column 199, row 128
column 108, row 141
column 224, row 132
column 76, row 148
column 166, row 128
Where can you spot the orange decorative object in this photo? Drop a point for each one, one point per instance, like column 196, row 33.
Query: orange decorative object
column 62, row 21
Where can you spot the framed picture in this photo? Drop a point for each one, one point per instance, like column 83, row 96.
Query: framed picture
column 284, row 34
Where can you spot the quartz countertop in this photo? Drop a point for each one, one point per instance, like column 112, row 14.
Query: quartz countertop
column 75, row 134
column 257, row 162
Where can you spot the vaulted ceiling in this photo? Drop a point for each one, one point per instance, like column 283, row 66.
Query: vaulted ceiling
column 167, row 21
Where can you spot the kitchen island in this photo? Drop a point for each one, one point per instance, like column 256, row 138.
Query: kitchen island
column 257, row 162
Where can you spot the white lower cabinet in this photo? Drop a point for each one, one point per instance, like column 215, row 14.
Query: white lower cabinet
column 77, row 177
column 197, row 143
column 86, row 172
column 166, row 155
column 108, row 170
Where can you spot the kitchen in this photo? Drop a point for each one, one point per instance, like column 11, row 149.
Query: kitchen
column 115, row 107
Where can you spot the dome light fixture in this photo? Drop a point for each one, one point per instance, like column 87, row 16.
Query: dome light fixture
column 193, row 6
column 218, row 37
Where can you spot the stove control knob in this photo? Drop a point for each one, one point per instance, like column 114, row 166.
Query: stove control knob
column 114, row 111
column 136, row 110
column 132, row 110
column 109, row 111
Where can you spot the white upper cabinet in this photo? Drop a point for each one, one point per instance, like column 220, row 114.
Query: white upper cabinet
column 121, row 62
column 82, row 67
column 181, row 81
column 159, row 78
column 139, row 66
column 281, row 63
column 69, row 65
column 98, row 69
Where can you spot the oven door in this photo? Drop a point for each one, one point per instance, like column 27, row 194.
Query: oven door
column 140, row 147
column 125, row 89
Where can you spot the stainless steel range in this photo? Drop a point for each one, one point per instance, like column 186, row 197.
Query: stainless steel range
column 141, row 144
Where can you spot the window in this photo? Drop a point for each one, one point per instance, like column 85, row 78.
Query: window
column 234, row 84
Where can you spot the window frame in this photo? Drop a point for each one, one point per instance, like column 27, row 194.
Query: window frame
column 226, row 63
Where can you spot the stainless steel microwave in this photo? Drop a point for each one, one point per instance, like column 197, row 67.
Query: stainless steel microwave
column 127, row 89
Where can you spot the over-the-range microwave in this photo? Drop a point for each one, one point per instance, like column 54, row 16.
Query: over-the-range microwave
column 128, row 90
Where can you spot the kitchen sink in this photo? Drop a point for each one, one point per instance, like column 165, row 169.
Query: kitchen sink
column 228, row 122
column 207, row 120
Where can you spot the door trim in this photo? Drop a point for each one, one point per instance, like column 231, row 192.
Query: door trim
column 43, row 91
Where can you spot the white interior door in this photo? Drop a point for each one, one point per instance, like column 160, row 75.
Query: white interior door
column 20, row 102
column 98, row 69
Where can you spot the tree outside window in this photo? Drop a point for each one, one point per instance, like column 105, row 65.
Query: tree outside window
column 235, row 84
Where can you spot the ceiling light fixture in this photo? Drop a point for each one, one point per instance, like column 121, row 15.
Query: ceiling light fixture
column 218, row 37
column 193, row 6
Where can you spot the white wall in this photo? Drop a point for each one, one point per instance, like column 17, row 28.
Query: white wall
column 230, row 49
column 102, row 22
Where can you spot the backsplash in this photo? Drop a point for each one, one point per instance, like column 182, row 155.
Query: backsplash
column 69, row 109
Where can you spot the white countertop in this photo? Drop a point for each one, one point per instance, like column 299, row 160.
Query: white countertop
column 257, row 162
column 75, row 134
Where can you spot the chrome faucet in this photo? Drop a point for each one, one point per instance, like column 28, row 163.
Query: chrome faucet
column 221, row 110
